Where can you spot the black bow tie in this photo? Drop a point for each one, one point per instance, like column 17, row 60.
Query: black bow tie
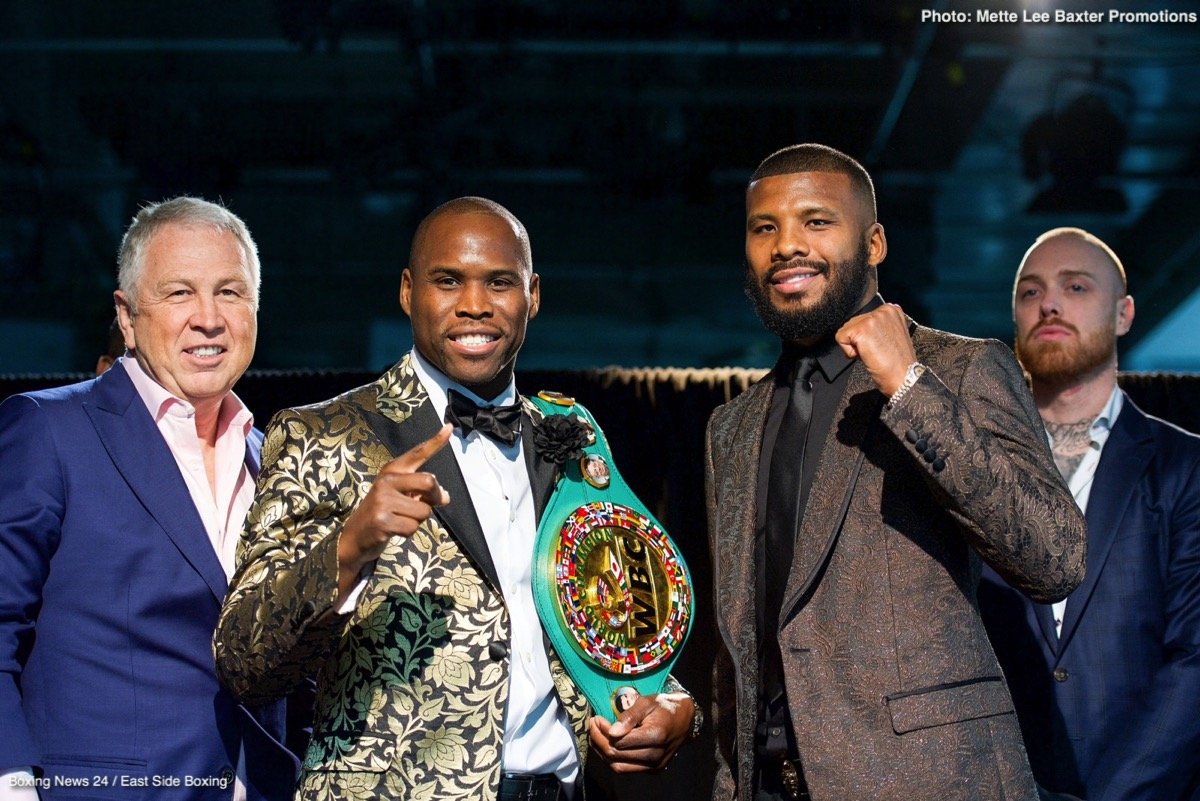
column 501, row 423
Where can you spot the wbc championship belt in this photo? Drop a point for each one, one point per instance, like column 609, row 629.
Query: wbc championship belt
column 612, row 590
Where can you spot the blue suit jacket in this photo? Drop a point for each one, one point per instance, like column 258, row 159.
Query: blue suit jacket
column 109, row 594
column 1111, row 709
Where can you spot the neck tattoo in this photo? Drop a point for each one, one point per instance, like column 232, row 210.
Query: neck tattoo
column 1071, row 443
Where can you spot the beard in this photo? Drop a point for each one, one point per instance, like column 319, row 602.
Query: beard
column 1062, row 363
column 846, row 284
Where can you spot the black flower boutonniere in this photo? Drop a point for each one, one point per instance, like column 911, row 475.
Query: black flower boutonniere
column 561, row 438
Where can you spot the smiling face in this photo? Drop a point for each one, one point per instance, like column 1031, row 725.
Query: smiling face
column 470, row 293
column 194, row 328
column 811, row 253
column 1069, row 307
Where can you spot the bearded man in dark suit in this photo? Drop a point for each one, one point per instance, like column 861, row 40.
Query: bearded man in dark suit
column 1105, row 681
column 857, row 488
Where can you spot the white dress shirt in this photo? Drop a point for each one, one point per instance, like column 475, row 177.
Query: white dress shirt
column 1080, row 482
column 537, row 735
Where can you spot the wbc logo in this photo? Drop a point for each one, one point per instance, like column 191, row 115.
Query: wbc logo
column 621, row 587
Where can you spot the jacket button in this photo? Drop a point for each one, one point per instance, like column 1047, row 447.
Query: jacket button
column 497, row 651
column 226, row 776
column 921, row 445
column 911, row 435
column 929, row 455
column 1061, row 674
column 938, row 464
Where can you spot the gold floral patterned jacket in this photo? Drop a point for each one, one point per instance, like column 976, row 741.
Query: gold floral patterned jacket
column 412, row 686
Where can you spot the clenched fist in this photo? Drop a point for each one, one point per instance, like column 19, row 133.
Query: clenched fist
column 880, row 339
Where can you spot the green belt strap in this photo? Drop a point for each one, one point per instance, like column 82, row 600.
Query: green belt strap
column 612, row 590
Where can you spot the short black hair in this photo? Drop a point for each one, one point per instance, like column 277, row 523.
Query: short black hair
column 811, row 157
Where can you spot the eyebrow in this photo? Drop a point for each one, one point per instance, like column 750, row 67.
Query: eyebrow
column 1059, row 275
column 806, row 211
column 1077, row 274
column 516, row 270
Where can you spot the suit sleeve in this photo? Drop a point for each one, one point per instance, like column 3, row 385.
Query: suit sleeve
column 278, row 624
column 982, row 448
column 32, row 505
column 1158, row 754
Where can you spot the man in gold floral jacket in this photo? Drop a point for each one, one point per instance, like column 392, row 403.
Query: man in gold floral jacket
column 390, row 555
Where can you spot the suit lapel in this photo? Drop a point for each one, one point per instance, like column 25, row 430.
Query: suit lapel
column 735, row 566
column 404, row 419
column 735, row 449
column 459, row 516
column 254, row 442
column 1044, row 614
column 833, row 485
column 140, row 454
column 1126, row 454
column 542, row 474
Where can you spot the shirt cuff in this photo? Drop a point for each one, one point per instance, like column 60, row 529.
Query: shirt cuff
column 347, row 606
column 18, row 784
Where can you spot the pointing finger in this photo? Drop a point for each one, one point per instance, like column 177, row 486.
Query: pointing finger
column 412, row 460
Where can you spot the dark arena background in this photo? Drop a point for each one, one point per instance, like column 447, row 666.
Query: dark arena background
column 622, row 133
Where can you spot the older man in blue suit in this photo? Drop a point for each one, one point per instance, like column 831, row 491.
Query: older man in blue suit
column 1107, row 682
column 121, row 502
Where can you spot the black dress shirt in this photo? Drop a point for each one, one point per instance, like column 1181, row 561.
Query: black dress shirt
column 828, row 385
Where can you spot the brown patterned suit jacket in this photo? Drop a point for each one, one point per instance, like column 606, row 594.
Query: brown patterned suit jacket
column 893, row 688
column 412, row 686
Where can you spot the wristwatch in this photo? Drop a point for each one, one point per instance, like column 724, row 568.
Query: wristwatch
column 914, row 372
column 697, row 719
column 672, row 685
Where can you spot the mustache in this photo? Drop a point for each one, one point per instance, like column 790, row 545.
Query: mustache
column 795, row 263
column 1049, row 321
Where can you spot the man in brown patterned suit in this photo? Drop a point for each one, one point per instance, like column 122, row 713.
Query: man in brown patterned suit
column 875, row 465
column 391, row 555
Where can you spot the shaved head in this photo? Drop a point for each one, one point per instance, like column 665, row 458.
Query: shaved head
column 1121, row 286
column 470, row 205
